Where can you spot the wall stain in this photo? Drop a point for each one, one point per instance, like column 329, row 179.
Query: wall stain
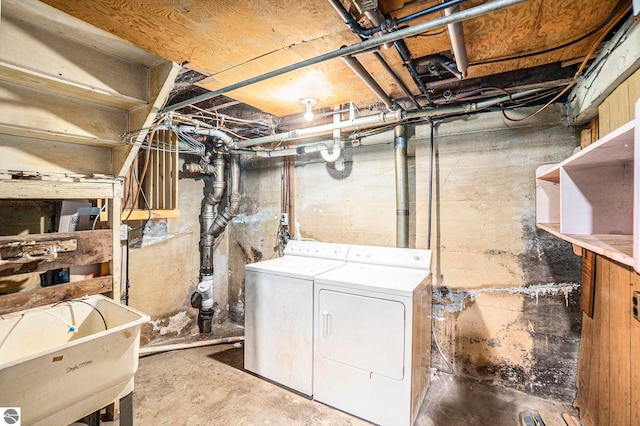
column 257, row 254
column 546, row 258
column 553, row 323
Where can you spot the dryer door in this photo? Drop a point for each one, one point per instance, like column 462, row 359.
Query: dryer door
column 363, row 332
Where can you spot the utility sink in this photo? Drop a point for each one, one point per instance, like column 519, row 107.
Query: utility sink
column 62, row 362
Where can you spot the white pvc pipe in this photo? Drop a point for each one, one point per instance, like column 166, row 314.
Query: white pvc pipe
column 335, row 153
column 149, row 350
column 205, row 288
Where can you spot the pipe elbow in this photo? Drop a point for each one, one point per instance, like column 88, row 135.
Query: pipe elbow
column 333, row 157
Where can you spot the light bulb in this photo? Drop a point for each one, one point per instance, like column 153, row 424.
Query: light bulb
column 308, row 116
column 308, row 103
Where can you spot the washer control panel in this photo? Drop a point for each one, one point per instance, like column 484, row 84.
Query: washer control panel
column 317, row 249
column 390, row 256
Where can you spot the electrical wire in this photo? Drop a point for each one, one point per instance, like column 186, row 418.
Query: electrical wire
column 552, row 49
column 143, row 174
column 444, row 358
column 595, row 45
column 95, row 220
column 432, row 125
column 104, row 321
column 72, row 327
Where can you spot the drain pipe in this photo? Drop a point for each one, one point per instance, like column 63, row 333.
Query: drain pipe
column 213, row 225
column 335, row 151
column 367, row 79
column 402, row 187
column 456, row 35
column 214, row 133
column 221, row 221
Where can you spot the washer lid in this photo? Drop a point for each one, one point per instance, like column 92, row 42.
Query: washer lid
column 377, row 278
column 295, row 266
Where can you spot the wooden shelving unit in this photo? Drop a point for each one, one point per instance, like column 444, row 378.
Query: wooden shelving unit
column 68, row 91
column 590, row 198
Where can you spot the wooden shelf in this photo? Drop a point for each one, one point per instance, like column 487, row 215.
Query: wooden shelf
column 612, row 149
column 616, row 247
column 591, row 199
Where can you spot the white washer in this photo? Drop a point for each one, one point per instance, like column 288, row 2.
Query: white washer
column 279, row 312
column 372, row 335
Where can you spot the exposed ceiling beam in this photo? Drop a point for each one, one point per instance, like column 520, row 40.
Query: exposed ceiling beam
column 358, row 47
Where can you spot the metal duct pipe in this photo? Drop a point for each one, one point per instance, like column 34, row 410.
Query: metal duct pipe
column 358, row 123
column 456, row 35
column 402, row 187
column 367, row 79
column 355, row 48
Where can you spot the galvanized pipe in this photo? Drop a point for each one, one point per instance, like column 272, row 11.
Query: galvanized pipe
column 358, row 123
column 473, row 12
column 402, row 187
column 428, row 11
column 367, row 79
column 395, row 78
column 383, row 118
column 375, row 18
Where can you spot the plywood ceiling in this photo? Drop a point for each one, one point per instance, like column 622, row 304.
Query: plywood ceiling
column 230, row 41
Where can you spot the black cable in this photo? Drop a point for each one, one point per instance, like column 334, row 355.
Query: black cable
column 552, row 49
column 104, row 321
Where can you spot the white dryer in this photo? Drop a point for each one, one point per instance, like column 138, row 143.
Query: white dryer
column 372, row 335
column 279, row 312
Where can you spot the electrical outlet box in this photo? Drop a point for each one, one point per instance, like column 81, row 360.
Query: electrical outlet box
column 636, row 305
column 124, row 232
column 284, row 219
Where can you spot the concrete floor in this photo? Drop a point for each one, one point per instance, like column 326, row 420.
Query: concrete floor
column 207, row 386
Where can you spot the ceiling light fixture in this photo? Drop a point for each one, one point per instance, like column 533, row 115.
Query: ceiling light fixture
column 309, row 104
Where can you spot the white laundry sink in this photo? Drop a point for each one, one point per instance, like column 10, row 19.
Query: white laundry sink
column 62, row 362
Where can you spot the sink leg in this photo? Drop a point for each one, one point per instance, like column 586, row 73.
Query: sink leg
column 126, row 410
